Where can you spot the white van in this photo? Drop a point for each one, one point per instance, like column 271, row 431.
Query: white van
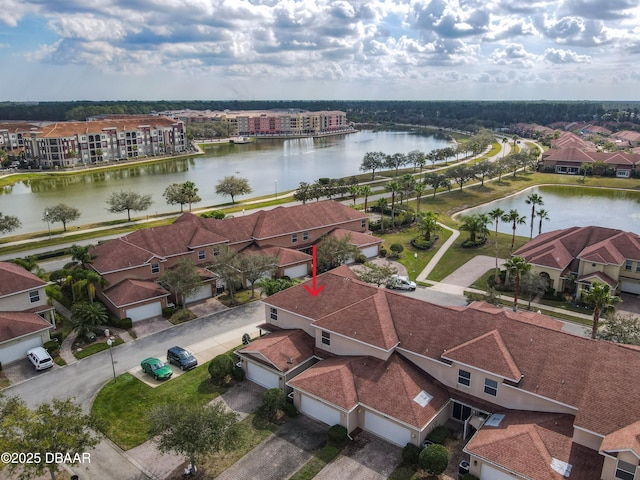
column 40, row 358
column 401, row 283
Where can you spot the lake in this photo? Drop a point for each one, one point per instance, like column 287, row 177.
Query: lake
column 571, row 206
column 270, row 165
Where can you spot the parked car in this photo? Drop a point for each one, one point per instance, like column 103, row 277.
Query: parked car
column 156, row 368
column 401, row 283
column 181, row 358
column 40, row 358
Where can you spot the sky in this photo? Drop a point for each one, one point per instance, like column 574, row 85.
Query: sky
column 319, row 50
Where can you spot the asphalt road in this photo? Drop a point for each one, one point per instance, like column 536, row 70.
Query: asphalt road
column 83, row 379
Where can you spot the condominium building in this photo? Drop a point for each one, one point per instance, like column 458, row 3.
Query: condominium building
column 65, row 144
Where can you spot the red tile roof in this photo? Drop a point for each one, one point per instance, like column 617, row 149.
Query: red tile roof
column 557, row 249
column 386, row 386
column 284, row 350
column 14, row 279
column 128, row 292
column 527, row 442
column 17, row 324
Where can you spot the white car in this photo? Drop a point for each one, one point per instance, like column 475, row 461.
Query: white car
column 401, row 283
column 40, row 358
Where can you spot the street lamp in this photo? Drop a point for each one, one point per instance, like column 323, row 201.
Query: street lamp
column 415, row 260
column 113, row 366
column 276, row 188
column 46, row 215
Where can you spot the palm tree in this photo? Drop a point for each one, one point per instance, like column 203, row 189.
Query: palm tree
column 189, row 192
column 30, row 264
column 418, row 189
column 533, row 200
column 599, row 295
column 354, row 191
column 80, row 255
column 516, row 266
column 86, row 316
column 393, row 187
column 515, row 219
column 365, row 191
column 428, row 224
column 542, row 215
column 476, row 225
column 407, row 183
column 496, row 214
column 382, row 205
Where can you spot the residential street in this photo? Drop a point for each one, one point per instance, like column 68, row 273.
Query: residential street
column 83, row 379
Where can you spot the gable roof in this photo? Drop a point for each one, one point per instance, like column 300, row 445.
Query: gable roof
column 14, row 279
column 486, row 352
column 18, row 324
column 528, row 442
column 626, row 438
column 130, row 291
column 355, row 238
column 284, row 349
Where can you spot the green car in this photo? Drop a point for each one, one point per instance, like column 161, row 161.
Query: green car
column 156, row 368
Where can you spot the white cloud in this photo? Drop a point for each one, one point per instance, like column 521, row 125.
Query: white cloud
column 553, row 55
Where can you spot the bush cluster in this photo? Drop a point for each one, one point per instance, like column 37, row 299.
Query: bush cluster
column 221, row 369
column 337, row 435
column 439, row 434
column 421, row 244
column 434, row 459
column 478, row 243
column 124, row 323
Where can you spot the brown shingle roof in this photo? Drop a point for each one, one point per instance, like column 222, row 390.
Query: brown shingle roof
column 627, row 438
column 355, row 238
column 526, row 443
column 17, row 324
column 14, row 278
column 285, row 349
column 128, row 292
column 487, row 352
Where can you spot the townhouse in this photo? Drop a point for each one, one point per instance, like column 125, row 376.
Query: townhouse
column 26, row 319
column 132, row 264
column 534, row 402
column 584, row 255
column 571, row 160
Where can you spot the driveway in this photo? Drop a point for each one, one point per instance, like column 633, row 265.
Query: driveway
column 367, row 458
column 282, row 454
column 472, row 270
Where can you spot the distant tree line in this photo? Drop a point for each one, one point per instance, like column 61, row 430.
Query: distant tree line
column 463, row 115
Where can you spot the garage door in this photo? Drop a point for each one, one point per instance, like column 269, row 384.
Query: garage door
column 202, row 293
column 18, row 351
column 386, row 429
column 630, row 287
column 145, row 311
column 370, row 252
column 296, row 272
column 262, row 376
column 490, row 473
column 319, row 411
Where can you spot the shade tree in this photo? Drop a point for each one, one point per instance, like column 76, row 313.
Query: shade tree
column 128, row 201
column 60, row 213
column 233, row 186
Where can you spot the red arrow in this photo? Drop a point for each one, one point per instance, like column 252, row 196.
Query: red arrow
column 314, row 291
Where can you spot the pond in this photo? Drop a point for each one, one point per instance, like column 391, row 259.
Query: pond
column 572, row 206
column 271, row 166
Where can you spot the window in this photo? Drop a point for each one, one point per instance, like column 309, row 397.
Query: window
column 625, row 471
column 627, row 265
column 363, row 224
column 34, row 296
column 273, row 313
column 326, row 338
column 216, row 251
column 155, row 268
column 294, row 238
column 490, row 387
column 637, row 266
column 201, row 254
column 305, row 235
column 464, row 378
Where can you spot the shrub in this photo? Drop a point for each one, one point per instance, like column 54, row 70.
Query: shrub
column 421, row 244
column 51, row 346
column 469, row 244
column 238, row 374
column 337, row 434
column 439, row 434
column 434, row 459
column 220, row 368
column 383, row 252
column 57, row 336
column 469, row 476
column 396, row 248
column 290, row 409
column 126, row 323
column 167, row 312
column 273, row 402
column 360, row 258
column 410, row 454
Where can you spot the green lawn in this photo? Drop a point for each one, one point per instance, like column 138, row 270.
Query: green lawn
column 95, row 348
column 122, row 407
column 413, row 265
column 457, row 256
column 316, row 463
